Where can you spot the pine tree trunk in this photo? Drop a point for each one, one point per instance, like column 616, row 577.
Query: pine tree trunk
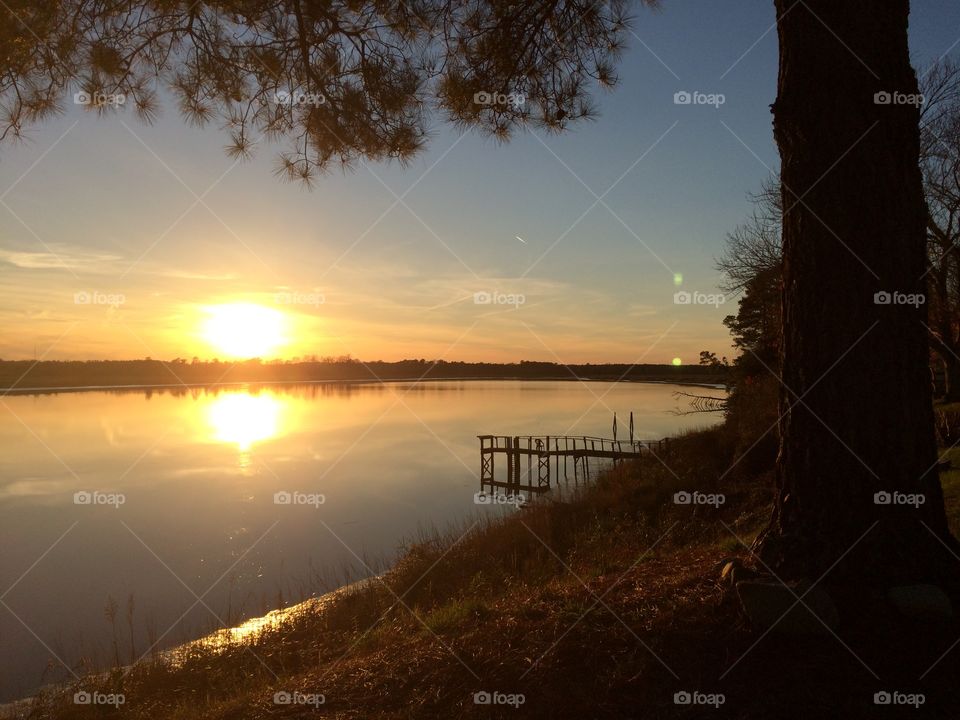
column 952, row 372
column 856, row 383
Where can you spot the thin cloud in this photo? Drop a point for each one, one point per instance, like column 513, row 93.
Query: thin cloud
column 59, row 258
column 193, row 275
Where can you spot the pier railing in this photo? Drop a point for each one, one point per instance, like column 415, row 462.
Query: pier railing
column 540, row 450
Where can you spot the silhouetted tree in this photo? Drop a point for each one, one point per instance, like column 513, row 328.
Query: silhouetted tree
column 751, row 265
column 710, row 359
column 751, row 409
column 338, row 81
column 755, row 246
column 756, row 326
column 940, row 154
column 856, row 399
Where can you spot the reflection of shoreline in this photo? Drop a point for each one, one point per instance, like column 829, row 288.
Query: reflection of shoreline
column 183, row 388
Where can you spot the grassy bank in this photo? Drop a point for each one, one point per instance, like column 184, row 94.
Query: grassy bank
column 603, row 606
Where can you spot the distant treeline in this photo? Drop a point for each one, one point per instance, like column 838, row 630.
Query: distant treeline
column 25, row 374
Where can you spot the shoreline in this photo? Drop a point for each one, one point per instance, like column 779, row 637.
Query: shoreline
column 243, row 631
column 50, row 390
column 220, row 639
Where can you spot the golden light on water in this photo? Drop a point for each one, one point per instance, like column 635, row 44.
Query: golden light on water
column 243, row 419
column 244, row 330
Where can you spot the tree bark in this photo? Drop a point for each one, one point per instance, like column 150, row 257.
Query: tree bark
column 952, row 365
column 948, row 353
column 855, row 397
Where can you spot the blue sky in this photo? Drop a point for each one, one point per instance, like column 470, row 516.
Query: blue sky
column 102, row 206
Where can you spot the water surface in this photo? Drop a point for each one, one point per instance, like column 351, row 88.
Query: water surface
column 181, row 529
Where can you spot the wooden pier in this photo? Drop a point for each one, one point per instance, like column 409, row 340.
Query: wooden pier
column 540, row 450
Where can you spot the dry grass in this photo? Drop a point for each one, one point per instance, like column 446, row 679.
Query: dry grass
column 600, row 606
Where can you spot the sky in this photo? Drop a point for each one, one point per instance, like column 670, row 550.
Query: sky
column 125, row 240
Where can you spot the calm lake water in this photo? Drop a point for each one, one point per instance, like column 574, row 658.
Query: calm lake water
column 164, row 498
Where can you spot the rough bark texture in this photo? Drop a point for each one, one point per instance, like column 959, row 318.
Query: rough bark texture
column 857, row 398
column 953, row 376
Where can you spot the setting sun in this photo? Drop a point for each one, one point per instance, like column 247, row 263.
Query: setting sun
column 244, row 330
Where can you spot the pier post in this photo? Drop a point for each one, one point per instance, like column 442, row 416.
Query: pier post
column 580, row 448
column 516, row 460
column 529, row 461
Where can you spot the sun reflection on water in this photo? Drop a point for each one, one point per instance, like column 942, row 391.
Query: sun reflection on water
column 243, row 419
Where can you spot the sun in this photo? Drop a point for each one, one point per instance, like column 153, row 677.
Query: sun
column 243, row 330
